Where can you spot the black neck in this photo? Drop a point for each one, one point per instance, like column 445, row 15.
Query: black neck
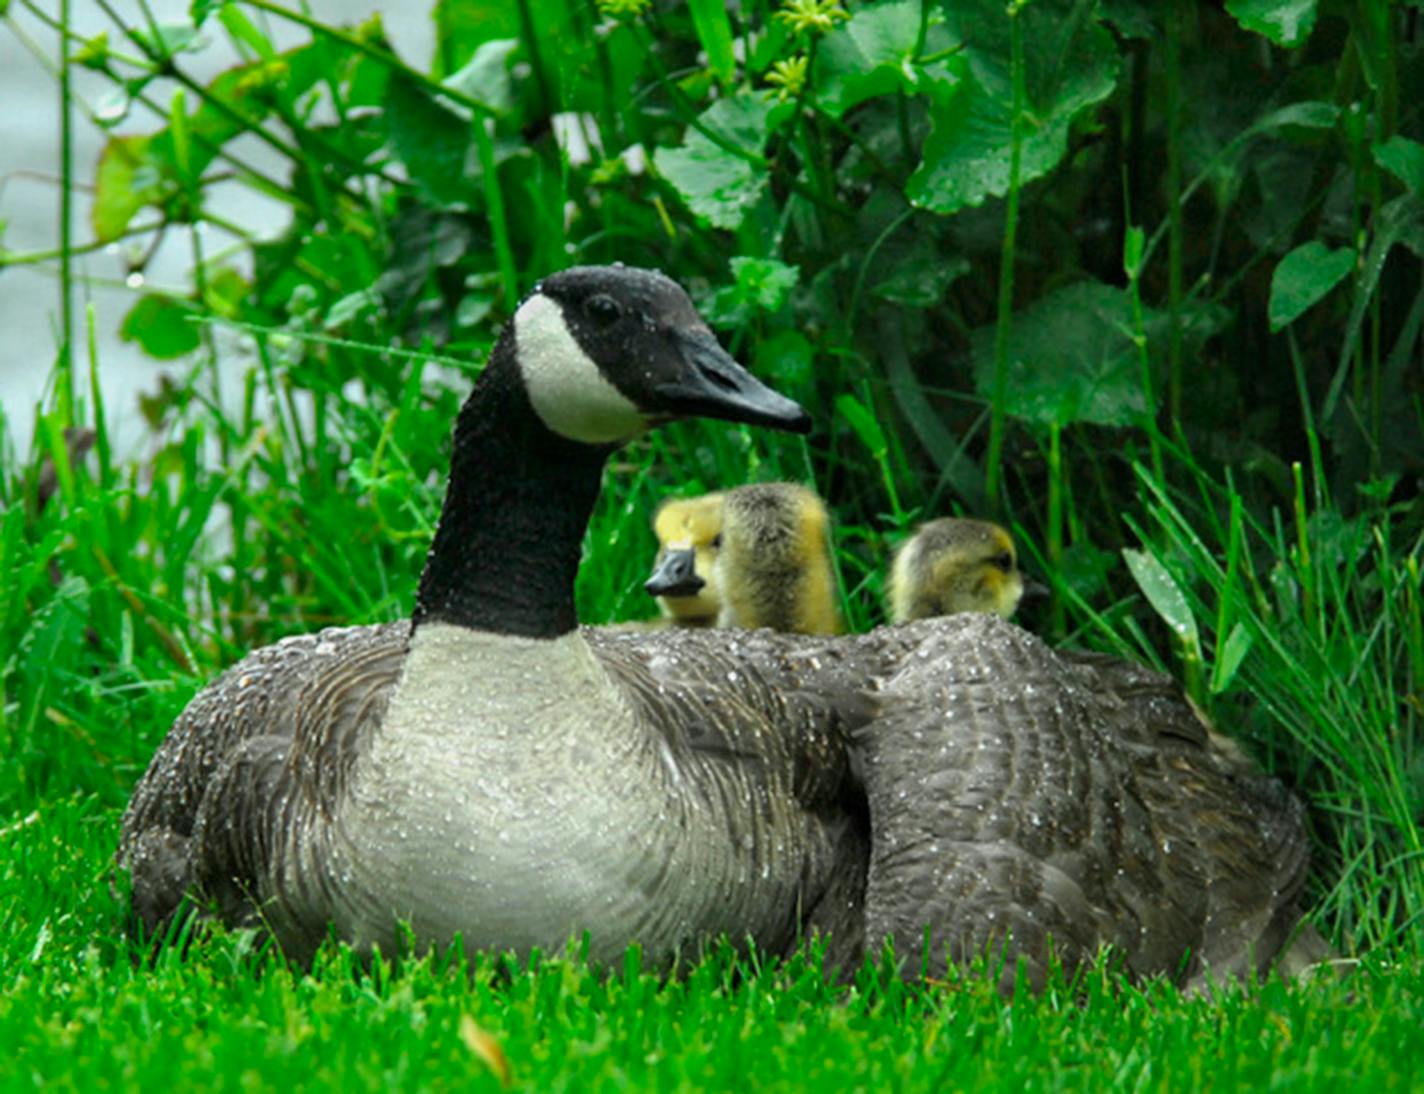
column 506, row 551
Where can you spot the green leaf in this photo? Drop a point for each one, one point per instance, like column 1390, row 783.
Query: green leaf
column 242, row 29
column 1229, row 656
column 873, row 54
column 1404, row 159
column 1070, row 359
column 862, row 423
column 1287, row 23
column 1164, row 594
column 714, row 31
column 760, row 285
column 127, row 179
column 160, row 324
column 785, row 358
column 715, row 182
column 432, row 141
column 921, row 277
column 1070, row 64
column 486, row 77
column 1308, row 115
column 169, row 39
column 1303, row 277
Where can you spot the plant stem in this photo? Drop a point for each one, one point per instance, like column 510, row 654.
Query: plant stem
column 993, row 484
column 65, row 379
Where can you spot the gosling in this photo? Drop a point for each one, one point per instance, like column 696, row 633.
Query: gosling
column 954, row 565
column 755, row 556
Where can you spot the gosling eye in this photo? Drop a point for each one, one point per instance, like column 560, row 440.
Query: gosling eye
column 603, row 309
column 717, row 541
column 1002, row 561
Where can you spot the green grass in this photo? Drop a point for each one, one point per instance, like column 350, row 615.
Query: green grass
column 80, row 1007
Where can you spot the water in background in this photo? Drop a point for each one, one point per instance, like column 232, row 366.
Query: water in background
column 30, row 197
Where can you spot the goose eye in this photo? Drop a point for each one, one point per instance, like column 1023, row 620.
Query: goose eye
column 603, row 309
column 717, row 541
column 1002, row 561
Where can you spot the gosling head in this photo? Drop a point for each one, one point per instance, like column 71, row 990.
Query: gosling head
column 774, row 567
column 955, row 565
column 684, row 577
column 606, row 352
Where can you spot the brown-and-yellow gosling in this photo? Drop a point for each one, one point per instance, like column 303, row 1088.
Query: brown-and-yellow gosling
column 774, row 567
column 951, row 565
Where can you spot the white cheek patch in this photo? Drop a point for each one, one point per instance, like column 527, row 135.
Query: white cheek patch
column 565, row 387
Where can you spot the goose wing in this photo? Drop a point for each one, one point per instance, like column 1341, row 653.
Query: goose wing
column 276, row 732
column 760, row 730
column 1056, row 804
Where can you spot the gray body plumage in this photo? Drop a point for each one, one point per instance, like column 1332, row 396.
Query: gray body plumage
column 692, row 798
column 1015, row 794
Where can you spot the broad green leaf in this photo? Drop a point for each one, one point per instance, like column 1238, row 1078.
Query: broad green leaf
column 873, row 54
column 1229, row 656
column 1404, row 159
column 714, row 181
column 760, row 285
column 1303, row 277
column 160, row 324
column 1070, row 63
column 127, row 179
column 1288, row 23
column 1072, row 357
column 432, row 141
column 485, row 78
column 1164, row 594
column 921, row 277
column 714, row 31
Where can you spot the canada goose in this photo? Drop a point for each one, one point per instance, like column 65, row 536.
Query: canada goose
column 486, row 768
column 773, row 564
column 684, row 580
column 954, row 565
column 489, row 769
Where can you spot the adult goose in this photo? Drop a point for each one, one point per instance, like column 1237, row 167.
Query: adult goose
column 485, row 769
column 488, row 769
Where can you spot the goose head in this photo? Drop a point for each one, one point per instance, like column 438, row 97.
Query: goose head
column 684, row 577
column 592, row 357
column 605, row 352
column 955, row 565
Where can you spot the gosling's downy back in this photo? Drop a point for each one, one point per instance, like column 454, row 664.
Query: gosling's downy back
column 774, row 565
column 951, row 565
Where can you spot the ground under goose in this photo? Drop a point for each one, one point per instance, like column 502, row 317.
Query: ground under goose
column 485, row 769
column 754, row 556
